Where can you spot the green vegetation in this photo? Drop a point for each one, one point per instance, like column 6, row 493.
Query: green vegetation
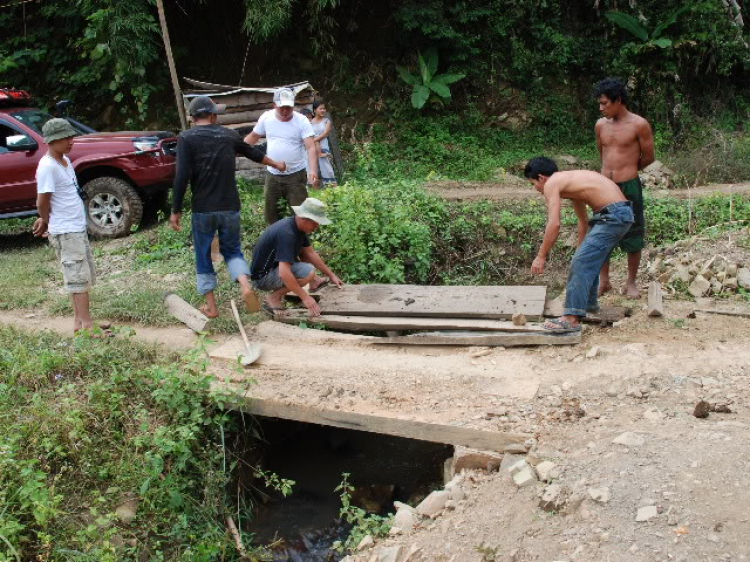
column 363, row 523
column 428, row 84
column 88, row 425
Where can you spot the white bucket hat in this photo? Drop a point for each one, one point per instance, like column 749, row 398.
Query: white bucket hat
column 313, row 209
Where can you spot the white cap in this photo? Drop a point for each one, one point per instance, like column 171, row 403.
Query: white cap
column 284, row 97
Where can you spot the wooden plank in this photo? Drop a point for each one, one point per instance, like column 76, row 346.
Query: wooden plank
column 376, row 323
column 433, row 432
column 492, row 302
column 608, row 315
column 655, row 300
column 723, row 312
column 490, row 339
column 240, row 117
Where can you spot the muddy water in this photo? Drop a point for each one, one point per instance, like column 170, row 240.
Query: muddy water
column 383, row 469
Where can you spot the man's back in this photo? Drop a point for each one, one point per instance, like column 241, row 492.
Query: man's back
column 280, row 242
column 586, row 186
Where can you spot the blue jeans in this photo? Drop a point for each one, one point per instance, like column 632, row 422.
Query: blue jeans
column 205, row 226
column 608, row 226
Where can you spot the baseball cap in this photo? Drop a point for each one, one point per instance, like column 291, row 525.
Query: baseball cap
column 56, row 129
column 284, row 97
column 204, row 104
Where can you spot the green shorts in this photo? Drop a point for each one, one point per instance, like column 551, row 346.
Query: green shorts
column 635, row 238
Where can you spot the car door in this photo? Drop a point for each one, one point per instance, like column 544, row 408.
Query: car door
column 19, row 157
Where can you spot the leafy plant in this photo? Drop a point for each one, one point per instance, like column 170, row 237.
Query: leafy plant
column 428, row 84
column 363, row 523
column 632, row 25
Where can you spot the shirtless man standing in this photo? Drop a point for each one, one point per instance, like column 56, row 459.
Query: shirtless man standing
column 613, row 217
column 626, row 145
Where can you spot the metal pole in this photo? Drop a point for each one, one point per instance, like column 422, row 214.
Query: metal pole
column 172, row 70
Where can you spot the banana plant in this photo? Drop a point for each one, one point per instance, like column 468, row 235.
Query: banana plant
column 428, row 84
column 636, row 28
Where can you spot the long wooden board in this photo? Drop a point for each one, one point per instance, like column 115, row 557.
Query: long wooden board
column 490, row 339
column 383, row 323
column 435, row 433
column 437, row 302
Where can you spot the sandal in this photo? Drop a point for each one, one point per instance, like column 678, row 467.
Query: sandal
column 274, row 310
column 558, row 325
column 323, row 283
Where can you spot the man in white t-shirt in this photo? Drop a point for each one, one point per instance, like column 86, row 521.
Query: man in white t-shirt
column 289, row 139
column 62, row 218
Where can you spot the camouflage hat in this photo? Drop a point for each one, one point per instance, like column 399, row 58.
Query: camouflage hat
column 56, row 129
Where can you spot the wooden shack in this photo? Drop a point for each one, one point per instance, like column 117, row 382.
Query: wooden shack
column 244, row 107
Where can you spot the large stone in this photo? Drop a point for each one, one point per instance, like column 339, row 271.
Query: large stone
column 471, row 459
column 700, row 286
column 552, row 498
column 433, row 504
column 389, row 553
column 406, row 520
column 518, row 467
column 544, row 469
column 366, row 542
column 525, row 477
column 681, row 273
column 127, row 511
column 509, row 461
column 743, row 277
column 629, row 439
column 646, row 513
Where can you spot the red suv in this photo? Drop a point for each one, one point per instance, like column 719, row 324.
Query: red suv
column 120, row 172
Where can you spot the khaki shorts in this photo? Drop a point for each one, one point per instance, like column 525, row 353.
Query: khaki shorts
column 76, row 260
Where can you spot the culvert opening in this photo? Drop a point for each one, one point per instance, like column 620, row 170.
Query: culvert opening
column 304, row 525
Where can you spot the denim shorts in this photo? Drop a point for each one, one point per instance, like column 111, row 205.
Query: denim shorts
column 272, row 280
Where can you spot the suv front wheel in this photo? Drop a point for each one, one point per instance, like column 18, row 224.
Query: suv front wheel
column 113, row 207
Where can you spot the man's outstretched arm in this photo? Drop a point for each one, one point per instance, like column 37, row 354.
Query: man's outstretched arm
column 551, row 232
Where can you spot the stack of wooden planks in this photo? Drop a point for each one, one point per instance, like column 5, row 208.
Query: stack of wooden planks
column 437, row 315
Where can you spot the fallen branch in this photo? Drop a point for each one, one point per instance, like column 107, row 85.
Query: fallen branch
column 723, row 312
column 236, row 536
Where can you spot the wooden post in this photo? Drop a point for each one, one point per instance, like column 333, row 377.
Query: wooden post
column 655, row 303
column 172, row 69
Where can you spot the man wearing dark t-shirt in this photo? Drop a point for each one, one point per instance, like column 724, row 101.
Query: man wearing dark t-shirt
column 284, row 261
column 206, row 159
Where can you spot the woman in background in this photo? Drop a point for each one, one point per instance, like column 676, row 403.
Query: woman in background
column 322, row 127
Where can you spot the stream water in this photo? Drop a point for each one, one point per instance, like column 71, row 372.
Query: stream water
column 383, row 469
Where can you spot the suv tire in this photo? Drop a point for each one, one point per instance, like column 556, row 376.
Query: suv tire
column 113, row 207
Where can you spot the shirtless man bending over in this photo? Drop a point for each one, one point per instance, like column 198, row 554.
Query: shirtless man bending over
column 613, row 217
column 626, row 145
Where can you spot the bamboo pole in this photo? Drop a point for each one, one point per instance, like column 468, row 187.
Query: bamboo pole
column 170, row 61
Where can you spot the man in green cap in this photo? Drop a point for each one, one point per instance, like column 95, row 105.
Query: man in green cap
column 62, row 218
column 284, row 261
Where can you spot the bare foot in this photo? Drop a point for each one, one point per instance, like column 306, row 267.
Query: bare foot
column 275, row 307
column 208, row 311
column 631, row 291
column 604, row 287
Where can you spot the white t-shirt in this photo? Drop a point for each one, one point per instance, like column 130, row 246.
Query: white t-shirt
column 67, row 213
column 285, row 140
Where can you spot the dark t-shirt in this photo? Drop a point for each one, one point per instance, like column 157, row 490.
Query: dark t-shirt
column 282, row 241
column 206, row 159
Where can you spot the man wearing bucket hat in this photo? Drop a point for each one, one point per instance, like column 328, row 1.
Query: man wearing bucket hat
column 206, row 160
column 290, row 137
column 284, row 261
column 62, row 218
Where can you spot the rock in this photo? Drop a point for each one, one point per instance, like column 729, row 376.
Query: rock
column 681, row 273
column 471, row 459
column 448, row 470
column 646, row 513
column 127, row 511
column 552, row 498
column 518, row 467
column 450, row 505
column 702, row 409
column 629, row 439
column 599, row 495
column 433, row 504
column 365, row 543
column 393, row 531
column 730, row 283
column 525, row 477
column 389, row 553
column 743, row 277
column 458, row 494
column 544, row 469
column 731, row 270
column 518, row 319
column 509, row 461
column 593, row 352
column 406, row 520
column 411, row 553
column 516, row 449
column 716, row 286
column 699, row 287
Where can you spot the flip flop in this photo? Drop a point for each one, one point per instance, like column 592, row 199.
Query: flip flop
column 319, row 287
column 557, row 325
column 274, row 310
